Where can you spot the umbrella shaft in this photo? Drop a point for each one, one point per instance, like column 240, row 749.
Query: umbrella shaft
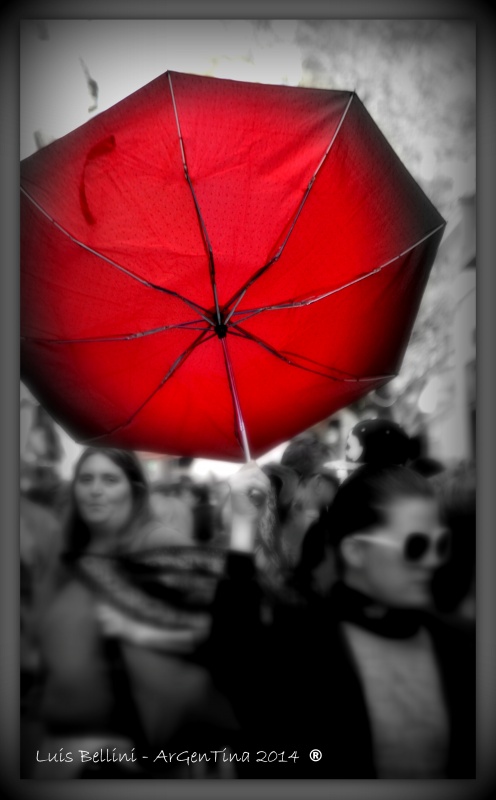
column 237, row 407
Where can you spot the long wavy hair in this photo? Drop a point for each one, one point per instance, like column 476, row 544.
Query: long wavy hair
column 77, row 532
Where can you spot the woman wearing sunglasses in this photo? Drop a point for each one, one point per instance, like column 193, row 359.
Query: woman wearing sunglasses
column 369, row 677
column 389, row 537
column 414, row 675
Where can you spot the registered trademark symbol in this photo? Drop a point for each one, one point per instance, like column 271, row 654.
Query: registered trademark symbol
column 315, row 755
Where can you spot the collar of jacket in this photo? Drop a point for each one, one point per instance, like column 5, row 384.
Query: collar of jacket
column 350, row 605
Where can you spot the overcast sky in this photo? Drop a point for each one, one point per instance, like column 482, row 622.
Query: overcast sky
column 124, row 55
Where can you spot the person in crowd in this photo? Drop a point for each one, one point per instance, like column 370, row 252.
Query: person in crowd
column 305, row 454
column 427, row 466
column 306, row 530
column 40, row 478
column 303, row 522
column 174, row 513
column 454, row 585
column 370, row 677
column 116, row 645
column 305, row 526
column 415, row 673
column 371, row 441
column 319, row 489
column 379, row 441
column 273, row 546
column 293, row 504
column 203, row 513
column 40, row 544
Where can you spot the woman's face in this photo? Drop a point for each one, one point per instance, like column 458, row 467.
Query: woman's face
column 385, row 573
column 103, row 494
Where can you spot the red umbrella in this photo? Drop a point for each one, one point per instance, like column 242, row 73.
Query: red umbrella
column 210, row 266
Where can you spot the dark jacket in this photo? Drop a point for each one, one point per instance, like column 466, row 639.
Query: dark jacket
column 294, row 686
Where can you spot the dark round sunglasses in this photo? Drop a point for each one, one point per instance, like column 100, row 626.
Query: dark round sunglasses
column 416, row 545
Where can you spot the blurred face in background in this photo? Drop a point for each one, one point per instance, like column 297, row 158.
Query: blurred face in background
column 310, row 498
column 103, row 494
column 394, row 563
column 353, row 449
column 304, row 510
column 303, row 513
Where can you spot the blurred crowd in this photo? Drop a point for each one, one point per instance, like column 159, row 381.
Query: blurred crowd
column 292, row 606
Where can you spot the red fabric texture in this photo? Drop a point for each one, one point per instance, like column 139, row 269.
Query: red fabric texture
column 187, row 202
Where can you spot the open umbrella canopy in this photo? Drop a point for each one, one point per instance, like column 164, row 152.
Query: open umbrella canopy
column 211, row 266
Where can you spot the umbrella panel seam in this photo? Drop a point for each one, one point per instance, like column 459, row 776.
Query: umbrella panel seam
column 172, row 370
column 117, row 338
column 203, row 226
column 278, row 254
column 251, row 312
column 202, row 312
column 240, row 332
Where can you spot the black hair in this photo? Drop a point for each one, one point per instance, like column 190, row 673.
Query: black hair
column 361, row 499
column 384, row 442
column 329, row 476
column 305, row 454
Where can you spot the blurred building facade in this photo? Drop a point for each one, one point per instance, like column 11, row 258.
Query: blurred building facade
column 451, row 420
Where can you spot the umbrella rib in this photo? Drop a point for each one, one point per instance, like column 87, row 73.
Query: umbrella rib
column 251, row 312
column 187, row 326
column 177, row 363
column 203, row 313
column 211, row 265
column 233, row 309
column 242, row 333
column 278, row 254
column 235, row 398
